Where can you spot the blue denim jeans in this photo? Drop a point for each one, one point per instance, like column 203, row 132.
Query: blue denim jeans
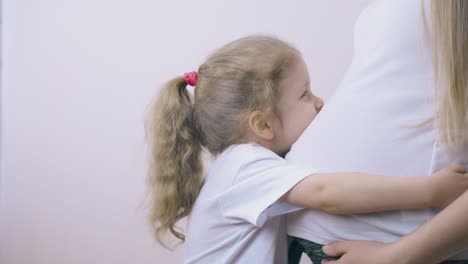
column 297, row 246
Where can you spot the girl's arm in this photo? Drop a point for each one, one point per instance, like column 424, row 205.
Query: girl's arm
column 346, row 193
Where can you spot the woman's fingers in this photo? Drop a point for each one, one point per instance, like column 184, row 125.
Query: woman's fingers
column 335, row 249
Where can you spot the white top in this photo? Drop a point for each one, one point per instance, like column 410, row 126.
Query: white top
column 237, row 215
column 370, row 124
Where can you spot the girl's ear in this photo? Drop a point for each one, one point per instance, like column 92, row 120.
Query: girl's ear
column 260, row 125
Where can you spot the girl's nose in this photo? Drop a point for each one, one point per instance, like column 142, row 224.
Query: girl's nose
column 318, row 104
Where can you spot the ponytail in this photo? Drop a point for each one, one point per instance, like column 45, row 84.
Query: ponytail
column 175, row 167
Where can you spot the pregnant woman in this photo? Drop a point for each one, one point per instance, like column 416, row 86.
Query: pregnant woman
column 386, row 119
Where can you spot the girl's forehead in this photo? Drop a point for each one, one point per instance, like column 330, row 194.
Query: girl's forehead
column 297, row 76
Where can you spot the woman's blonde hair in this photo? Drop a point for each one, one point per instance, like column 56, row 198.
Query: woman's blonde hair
column 450, row 54
column 239, row 78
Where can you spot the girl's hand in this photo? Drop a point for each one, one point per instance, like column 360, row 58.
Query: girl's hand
column 447, row 184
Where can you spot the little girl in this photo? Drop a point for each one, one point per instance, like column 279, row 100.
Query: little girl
column 252, row 101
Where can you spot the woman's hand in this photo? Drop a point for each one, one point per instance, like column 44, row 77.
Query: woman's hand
column 362, row 252
column 447, row 184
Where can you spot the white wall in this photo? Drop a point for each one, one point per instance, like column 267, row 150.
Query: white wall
column 77, row 77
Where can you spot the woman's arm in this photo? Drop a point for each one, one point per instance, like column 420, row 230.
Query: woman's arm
column 345, row 193
column 443, row 236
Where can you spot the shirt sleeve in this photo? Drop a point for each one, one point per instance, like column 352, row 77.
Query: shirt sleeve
column 260, row 182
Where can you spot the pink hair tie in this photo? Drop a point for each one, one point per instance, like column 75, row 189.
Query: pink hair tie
column 190, row 78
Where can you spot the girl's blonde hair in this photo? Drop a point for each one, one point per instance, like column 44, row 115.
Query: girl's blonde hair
column 450, row 54
column 239, row 78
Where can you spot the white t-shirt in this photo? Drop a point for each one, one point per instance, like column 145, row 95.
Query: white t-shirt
column 237, row 217
column 370, row 123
